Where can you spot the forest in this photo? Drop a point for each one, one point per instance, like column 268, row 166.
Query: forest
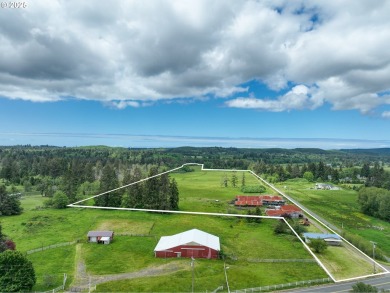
column 73, row 173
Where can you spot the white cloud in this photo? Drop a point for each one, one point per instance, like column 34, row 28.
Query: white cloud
column 296, row 99
column 386, row 114
column 132, row 52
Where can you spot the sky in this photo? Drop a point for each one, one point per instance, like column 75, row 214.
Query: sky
column 202, row 73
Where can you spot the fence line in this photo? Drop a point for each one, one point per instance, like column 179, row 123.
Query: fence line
column 283, row 286
column 62, row 287
column 50, row 247
column 133, row 235
column 281, row 260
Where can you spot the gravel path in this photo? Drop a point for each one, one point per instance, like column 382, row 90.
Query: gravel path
column 82, row 280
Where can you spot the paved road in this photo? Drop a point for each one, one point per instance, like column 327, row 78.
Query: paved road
column 381, row 282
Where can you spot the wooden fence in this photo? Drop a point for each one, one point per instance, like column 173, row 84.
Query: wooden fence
column 284, row 286
column 50, row 247
column 281, row 260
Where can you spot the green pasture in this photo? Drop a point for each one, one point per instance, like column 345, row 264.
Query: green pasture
column 50, row 266
column 345, row 263
column 243, row 243
column 202, row 191
column 209, row 275
column 137, row 233
column 340, row 208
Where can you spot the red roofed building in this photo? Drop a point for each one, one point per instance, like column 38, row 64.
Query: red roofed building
column 290, row 210
column 258, row 200
column 272, row 200
column 193, row 243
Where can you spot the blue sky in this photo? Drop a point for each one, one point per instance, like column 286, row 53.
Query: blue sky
column 196, row 74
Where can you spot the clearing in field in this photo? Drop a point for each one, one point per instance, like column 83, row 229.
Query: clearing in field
column 123, row 227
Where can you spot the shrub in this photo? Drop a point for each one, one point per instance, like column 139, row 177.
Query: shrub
column 319, row 245
column 253, row 189
column 361, row 287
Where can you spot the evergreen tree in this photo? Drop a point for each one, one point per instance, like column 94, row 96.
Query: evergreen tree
column 151, row 194
column 243, row 180
column 127, row 198
column 9, row 204
column 109, row 181
column 365, row 171
column 234, row 179
column 164, row 192
column 321, row 171
column 174, row 195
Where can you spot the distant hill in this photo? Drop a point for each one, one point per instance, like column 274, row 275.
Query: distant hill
column 378, row 151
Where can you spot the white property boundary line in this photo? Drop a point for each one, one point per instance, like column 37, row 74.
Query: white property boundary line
column 76, row 205
column 326, row 226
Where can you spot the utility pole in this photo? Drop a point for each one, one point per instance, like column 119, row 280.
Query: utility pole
column 192, row 265
column 373, row 254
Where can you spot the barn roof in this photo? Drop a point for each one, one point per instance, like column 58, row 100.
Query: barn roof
column 188, row 237
column 100, row 233
column 256, row 200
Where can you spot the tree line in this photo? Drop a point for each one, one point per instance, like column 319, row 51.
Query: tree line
column 369, row 174
column 80, row 172
column 158, row 192
column 22, row 164
column 375, row 202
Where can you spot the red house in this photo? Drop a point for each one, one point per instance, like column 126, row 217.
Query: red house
column 289, row 209
column 192, row 243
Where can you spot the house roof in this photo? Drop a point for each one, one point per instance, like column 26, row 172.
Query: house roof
column 286, row 209
column 189, row 237
column 289, row 208
column 271, row 198
column 322, row 236
column 100, row 233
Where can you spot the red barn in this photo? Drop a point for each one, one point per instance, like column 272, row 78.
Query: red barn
column 192, row 243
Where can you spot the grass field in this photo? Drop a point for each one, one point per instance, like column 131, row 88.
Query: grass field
column 137, row 233
column 340, row 208
column 201, row 191
column 50, row 266
column 240, row 240
column 209, row 275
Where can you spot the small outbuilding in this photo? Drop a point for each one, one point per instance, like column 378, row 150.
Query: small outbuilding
column 330, row 239
column 193, row 243
column 101, row 237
